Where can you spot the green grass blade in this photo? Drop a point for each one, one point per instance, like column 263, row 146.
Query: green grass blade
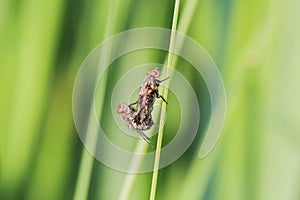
column 163, row 110
column 86, row 164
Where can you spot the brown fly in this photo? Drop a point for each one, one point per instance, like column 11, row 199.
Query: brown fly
column 142, row 119
column 129, row 117
column 148, row 94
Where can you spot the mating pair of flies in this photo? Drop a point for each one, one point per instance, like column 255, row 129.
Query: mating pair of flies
column 141, row 119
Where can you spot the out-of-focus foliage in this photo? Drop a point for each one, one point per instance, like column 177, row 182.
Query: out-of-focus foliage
column 255, row 45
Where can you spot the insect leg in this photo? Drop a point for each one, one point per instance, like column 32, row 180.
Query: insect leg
column 136, row 102
column 159, row 96
column 159, row 81
column 133, row 103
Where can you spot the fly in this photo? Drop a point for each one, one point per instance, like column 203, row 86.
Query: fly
column 148, row 93
column 142, row 119
column 129, row 116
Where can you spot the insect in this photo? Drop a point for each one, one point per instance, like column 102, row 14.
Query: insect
column 147, row 95
column 142, row 119
column 129, row 116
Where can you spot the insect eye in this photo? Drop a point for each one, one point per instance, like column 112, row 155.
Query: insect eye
column 120, row 110
column 154, row 72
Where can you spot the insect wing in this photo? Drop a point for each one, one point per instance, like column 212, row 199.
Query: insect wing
column 145, row 137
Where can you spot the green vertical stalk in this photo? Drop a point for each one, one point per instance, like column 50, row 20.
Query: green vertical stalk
column 163, row 110
column 29, row 49
column 87, row 160
column 130, row 178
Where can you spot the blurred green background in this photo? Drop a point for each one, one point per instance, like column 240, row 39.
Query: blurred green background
column 256, row 46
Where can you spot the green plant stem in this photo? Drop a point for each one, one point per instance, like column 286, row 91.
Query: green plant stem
column 163, row 110
column 130, row 178
column 87, row 160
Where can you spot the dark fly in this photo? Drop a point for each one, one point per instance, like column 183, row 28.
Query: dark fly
column 129, row 116
column 142, row 119
column 148, row 94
